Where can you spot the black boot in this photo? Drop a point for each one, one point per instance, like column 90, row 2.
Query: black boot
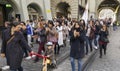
column 36, row 60
column 0, row 69
column 104, row 52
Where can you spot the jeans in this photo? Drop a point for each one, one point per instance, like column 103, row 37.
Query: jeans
column 114, row 28
column 73, row 64
column 90, row 43
column 96, row 40
column 19, row 69
column 29, row 39
column 41, row 47
column 87, row 44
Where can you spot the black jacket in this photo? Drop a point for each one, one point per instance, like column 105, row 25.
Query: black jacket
column 76, row 50
column 103, row 34
column 13, row 49
column 42, row 35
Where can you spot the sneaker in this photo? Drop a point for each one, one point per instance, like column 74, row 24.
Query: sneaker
column 30, row 57
column 36, row 60
column 96, row 47
column 6, row 67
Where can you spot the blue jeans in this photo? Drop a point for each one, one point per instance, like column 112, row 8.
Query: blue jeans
column 96, row 40
column 114, row 28
column 90, row 43
column 73, row 64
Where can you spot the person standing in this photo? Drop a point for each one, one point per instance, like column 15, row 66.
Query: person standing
column 11, row 47
column 103, row 40
column 6, row 26
column 60, row 35
column 82, row 33
column 97, row 31
column 52, row 35
column 29, row 33
column 75, row 51
column 115, row 26
column 41, row 33
column 65, row 32
column 24, row 31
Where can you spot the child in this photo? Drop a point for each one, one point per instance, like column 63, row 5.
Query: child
column 50, row 54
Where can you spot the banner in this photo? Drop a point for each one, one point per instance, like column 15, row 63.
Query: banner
column 85, row 14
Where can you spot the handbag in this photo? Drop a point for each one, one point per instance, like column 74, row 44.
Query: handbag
column 106, row 40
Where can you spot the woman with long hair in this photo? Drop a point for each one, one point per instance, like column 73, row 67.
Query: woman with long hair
column 41, row 33
column 11, row 46
column 103, row 40
column 76, row 49
column 52, row 34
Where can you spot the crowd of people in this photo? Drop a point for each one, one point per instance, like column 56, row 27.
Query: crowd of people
column 17, row 38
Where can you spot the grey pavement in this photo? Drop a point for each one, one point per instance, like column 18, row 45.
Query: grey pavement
column 110, row 61
column 29, row 65
column 66, row 66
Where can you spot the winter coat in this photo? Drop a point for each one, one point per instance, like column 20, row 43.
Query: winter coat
column 76, row 50
column 60, row 35
column 50, row 52
column 52, row 36
column 24, row 33
column 103, row 34
column 42, row 35
column 13, row 49
column 97, row 31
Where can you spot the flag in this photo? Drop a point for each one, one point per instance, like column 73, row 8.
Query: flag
column 85, row 14
column 117, row 9
column 115, row 14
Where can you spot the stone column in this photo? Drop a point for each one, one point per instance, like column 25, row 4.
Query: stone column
column 92, row 8
column 48, row 9
column 24, row 11
column 74, row 8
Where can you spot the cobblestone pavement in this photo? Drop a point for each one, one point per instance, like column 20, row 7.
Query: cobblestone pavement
column 66, row 66
column 29, row 65
column 110, row 61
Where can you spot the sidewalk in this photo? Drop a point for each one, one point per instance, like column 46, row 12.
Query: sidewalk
column 86, row 61
column 29, row 65
column 66, row 65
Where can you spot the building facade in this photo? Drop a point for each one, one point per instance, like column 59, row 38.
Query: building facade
column 24, row 9
column 32, row 9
